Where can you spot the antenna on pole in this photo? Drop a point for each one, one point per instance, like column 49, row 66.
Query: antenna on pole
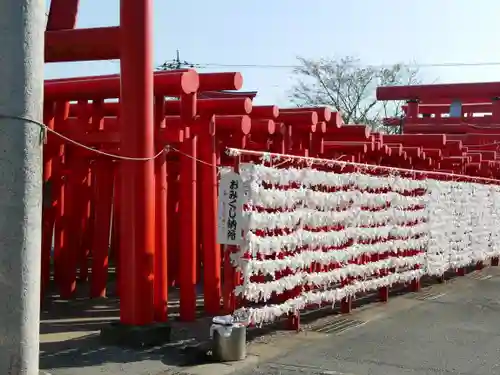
column 178, row 60
column 176, row 63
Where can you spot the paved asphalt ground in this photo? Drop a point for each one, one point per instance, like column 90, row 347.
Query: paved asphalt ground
column 451, row 328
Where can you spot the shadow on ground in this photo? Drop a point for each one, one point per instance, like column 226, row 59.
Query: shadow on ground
column 69, row 334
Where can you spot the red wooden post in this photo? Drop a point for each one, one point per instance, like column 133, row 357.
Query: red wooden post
column 68, row 255
column 346, row 305
column 116, row 239
column 412, row 112
column 75, row 174
column 86, row 225
column 208, row 190
column 188, row 242
column 48, row 199
column 84, row 116
column 103, row 169
column 58, row 189
column 187, row 212
column 137, row 140
column 161, row 245
column 173, row 221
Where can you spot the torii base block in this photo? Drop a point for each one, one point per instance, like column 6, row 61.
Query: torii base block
column 136, row 337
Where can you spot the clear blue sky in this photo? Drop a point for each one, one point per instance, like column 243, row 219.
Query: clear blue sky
column 276, row 31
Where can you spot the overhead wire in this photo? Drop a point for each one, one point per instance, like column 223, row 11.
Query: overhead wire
column 296, row 66
column 184, row 64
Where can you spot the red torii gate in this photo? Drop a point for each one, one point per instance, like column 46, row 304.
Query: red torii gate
column 131, row 42
column 437, row 98
column 473, row 93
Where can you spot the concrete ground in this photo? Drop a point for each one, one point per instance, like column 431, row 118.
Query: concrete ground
column 70, row 345
column 447, row 328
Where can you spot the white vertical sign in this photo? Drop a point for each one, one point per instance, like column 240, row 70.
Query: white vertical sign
column 230, row 210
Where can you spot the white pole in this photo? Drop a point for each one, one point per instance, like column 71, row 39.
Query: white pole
column 22, row 27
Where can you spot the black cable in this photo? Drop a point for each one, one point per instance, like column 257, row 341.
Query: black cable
column 271, row 66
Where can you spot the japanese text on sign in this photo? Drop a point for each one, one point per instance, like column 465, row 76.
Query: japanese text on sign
column 230, row 220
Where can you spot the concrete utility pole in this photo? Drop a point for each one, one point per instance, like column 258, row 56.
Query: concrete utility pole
column 22, row 26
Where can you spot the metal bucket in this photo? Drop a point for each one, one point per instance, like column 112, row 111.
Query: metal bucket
column 232, row 347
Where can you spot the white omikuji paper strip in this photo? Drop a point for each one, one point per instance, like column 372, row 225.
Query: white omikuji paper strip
column 453, row 224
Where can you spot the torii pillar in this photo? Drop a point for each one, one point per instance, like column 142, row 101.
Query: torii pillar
column 137, row 195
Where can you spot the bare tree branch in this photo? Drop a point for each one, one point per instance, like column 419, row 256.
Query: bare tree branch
column 348, row 87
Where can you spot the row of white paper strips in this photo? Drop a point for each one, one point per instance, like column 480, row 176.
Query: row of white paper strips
column 447, row 225
column 464, row 225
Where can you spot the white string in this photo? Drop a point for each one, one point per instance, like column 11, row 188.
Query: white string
column 263, row 154
column 46, row 128
column 191, row 157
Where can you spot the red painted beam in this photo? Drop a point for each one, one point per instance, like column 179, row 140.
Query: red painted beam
column 220, row 81
column 324, row 113
column 233, row 124
column 115, row 75
column 265, row 112
column 475, row 138
column 227, row 94
column 455, row 159
column 320, row 127
column 62, row 14
column 414, row 152
column 475, row 157
column 433, row 109
column 477, row 120
column 397, row 150
column 164, row 84
column 306, row 118
column 485, row 148
column 108, row 86
column 487, row 155
column 433, row 153
column 111, row 138
column 336, row 120
column 370, row 146
column 298, row 121
column 478, row 100
column 230, row 106
column 82, row 44
column 450, row 91
column 349, row 131
column 347, row 148
column 454, row 144
column 263, row 126
column 449, row 129
column 427, row 140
